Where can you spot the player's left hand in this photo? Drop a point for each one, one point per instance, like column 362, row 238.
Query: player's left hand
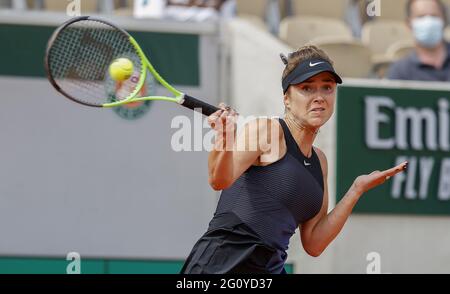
column 364, row 183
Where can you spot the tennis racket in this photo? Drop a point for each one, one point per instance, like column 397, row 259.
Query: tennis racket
column 78, row 59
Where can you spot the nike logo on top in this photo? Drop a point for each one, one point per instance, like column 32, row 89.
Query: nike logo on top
column 314, row 64
column 306, row 163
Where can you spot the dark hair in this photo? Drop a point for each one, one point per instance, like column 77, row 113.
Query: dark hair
column 441, row 5
column 302, row 54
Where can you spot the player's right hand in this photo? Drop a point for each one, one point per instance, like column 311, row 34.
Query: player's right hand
column 224, row 122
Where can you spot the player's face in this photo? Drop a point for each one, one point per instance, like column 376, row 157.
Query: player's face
column 312, row 101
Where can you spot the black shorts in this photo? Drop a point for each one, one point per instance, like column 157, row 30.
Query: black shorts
column 230, row 246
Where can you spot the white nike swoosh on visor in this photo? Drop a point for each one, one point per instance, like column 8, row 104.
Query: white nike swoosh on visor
column 314, row 64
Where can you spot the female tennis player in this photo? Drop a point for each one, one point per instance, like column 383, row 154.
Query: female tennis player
column 266, row 195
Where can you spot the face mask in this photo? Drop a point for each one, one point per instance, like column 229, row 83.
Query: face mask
column 428, row 30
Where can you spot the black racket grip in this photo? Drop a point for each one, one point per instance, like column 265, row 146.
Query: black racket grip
column 192, row 103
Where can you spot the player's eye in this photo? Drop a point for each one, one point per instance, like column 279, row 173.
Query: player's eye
column 328, row 89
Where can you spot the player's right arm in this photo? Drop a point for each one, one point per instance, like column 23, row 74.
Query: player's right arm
column 231, row 155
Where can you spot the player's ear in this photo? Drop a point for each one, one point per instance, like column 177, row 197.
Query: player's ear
column 287, row 100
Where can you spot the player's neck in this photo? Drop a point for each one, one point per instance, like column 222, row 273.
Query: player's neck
column 304, row 136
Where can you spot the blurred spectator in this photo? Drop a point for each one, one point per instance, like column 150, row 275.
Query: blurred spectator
column 430, row 61
column 355, row 15
column 216, row 4
column 196, row 10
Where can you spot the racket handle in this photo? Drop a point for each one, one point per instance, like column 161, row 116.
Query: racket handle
column 192, row 103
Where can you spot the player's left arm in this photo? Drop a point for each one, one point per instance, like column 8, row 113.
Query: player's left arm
column 317, row 233
column 312, row 243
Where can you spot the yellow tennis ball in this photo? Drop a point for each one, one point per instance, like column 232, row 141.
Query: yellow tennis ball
column 121, row 69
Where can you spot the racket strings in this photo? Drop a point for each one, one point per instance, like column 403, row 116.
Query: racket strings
column 79, row 61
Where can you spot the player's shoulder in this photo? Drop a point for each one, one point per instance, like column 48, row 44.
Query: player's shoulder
column 320, row 153
column 265, row 126
column 266, row 132
column 261, row 121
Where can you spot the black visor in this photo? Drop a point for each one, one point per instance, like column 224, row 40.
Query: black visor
column 308, row 69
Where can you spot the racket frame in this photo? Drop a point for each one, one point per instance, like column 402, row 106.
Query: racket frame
column 143, row 75
column 180, row 97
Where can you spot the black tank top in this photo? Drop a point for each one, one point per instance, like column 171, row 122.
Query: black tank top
column 274, row 199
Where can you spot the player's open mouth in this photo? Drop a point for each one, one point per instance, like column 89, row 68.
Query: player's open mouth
column 318, row 109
